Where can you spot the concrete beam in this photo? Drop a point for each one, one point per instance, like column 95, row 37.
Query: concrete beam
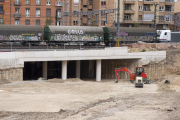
column 44, row 70
column 78, row 68
column 98, row 70
column 64, row 70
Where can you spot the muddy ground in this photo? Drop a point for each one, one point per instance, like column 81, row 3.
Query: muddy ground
column 89, row 100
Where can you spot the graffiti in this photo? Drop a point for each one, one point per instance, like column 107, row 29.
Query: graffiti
column 136, row 38
column 63, row 37
column 123, row 34
column 75, row 32
column 19, row 38
column 2, row 37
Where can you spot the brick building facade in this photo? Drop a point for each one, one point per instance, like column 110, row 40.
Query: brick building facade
column 5, row 12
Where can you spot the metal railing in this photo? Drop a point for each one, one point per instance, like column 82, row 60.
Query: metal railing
column 17, row 15
column 128, row 19
column 147, row 10
column 149, row 0
column 130, row 0
column 58, row 4
column 169, row 0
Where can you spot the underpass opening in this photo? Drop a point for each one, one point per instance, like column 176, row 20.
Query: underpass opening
column 88, row 70
column 108, row 68
column 71, row 69
column 32, row 70
column 54, row 69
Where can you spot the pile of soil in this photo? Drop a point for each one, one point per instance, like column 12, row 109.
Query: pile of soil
column 73, row 79
column 4, row 81
column 55, row 80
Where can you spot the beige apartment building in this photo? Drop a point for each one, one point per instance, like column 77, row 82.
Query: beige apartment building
column 140, row 13
column 93, row 5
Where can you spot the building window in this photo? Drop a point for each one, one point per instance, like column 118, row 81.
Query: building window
column 16, row 10
column 90, row 2
column 161, row 18
column 59, row 13
column 27, row 2
column 161, row 8
column 140, row 8
column 1, row 10
column 48, row 2
column 127, row 7
column 37, row 22
column 126, row 17
column 38, row 2
column 168, row 18
column 16, row 21
column 38, row 12
column 103, row 2
column 48, row 12
column 17, row 2
column 84, row 15
column 58, row 23
column 75, row 22
column 89, row 22
column 103, row 23
column 1, row 20
column 27, row 22
column 58, row 3
column 27, row 12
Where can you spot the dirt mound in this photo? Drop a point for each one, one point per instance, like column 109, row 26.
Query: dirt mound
column 4, row 81
column 55, row 80
column 73, row 79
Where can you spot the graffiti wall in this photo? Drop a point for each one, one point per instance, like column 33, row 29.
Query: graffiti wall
column 23, row 37
column 80, row 37
column 135, row 38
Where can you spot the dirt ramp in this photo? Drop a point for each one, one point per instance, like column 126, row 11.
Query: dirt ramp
column 4, row 81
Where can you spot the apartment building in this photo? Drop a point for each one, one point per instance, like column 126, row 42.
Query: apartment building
column 100, row 19
column 4, row 11
column 140, row 13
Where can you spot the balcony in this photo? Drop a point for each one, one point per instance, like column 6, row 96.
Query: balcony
column 128, row 21
column 148, row 11
column 17, row 3
column 129, row 1
column 38, row 15
column 58, row 4
column 38, row 3
column 129, row 11
column 59, row 16
column 17, row 15
column 2, row 12
column 148, row 1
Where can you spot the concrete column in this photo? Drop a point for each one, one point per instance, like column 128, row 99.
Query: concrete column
column 64, row 70
column 78, row 68
column 44, row 70
column 98, row 70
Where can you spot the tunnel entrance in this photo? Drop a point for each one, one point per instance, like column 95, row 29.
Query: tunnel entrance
column 32, row 70
column 88, row 69
column 54, row 69
column 71, row 69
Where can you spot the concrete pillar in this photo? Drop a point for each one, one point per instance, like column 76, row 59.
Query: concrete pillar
column 98, row 70
column 78, row 68
column 44, row 70
column 64, row 70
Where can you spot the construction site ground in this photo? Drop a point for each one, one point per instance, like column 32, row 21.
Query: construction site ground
column 76, row 99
